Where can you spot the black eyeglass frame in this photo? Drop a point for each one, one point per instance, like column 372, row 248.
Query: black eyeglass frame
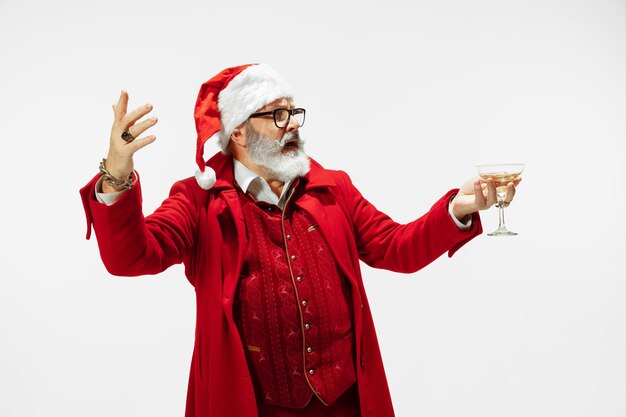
column 292, row 112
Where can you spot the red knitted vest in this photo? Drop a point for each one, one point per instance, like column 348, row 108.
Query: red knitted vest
column 293, row 308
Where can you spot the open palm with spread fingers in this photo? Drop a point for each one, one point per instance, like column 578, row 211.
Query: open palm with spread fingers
column 126, row 138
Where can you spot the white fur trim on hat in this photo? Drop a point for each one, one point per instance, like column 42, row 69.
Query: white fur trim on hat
column 255, row 87
column 205, row 179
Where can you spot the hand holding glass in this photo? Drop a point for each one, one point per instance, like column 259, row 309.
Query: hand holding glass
column 501, row 174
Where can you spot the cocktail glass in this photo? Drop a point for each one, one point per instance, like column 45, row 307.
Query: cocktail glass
column 501, row 174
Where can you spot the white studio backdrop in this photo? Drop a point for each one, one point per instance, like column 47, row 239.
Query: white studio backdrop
column 406, row 96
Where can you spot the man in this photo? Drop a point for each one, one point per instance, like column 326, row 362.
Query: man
column 271, row 241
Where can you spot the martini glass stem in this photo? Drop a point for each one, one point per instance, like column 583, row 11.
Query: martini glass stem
column 501, row 225
column 502, row 230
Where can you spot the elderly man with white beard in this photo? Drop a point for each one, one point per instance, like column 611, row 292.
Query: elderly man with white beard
column 271, row 242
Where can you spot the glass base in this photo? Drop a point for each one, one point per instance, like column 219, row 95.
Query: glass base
column 502, row 231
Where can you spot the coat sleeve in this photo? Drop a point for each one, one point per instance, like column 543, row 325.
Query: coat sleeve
column 384, row 243
column 131, row 244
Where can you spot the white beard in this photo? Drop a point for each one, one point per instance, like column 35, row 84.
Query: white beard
column 268, row 154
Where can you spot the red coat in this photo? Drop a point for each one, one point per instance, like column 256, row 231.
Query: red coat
column 206, row 231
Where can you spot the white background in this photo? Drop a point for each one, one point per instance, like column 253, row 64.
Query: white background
column 406, row 96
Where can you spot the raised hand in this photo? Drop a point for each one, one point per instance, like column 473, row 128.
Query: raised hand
column 119, row 160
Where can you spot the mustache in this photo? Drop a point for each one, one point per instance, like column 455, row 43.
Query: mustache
column 289, row 136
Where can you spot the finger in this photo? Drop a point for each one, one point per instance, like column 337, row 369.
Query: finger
column 120, row 107
column 479, row 197
column 139, row 128
column 492, row 193
column 136, row 114
column 510, row 193
column 140, row 143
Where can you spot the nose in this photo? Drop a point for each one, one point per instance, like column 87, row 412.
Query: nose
column 292, row 125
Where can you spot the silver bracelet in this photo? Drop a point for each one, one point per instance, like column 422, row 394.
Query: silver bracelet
column 119, row 185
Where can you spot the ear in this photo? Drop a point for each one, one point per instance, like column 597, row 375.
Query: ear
column 238, row 136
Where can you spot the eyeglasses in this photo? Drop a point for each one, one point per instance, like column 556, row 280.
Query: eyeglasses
column 282, row 116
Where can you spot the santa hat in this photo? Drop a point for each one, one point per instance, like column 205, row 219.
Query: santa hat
column 226, row 101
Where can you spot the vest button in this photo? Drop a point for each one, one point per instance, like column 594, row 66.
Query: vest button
column 304, row 303
column 293, row 257
column 307, row 326
column 299, row 279
column 288, row 237
column 309, row 349
column 311, row 371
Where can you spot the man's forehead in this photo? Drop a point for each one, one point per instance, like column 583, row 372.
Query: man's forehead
column 281, row 102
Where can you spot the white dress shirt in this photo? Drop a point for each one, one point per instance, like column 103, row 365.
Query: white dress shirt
column 256, row 185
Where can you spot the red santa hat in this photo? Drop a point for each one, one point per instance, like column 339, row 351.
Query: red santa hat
column 227, row 100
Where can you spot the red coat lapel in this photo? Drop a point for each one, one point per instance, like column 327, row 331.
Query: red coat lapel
column 329, row 219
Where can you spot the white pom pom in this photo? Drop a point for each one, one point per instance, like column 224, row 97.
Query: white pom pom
column 205, row 179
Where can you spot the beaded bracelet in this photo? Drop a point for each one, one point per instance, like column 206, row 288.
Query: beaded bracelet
column 114, row 182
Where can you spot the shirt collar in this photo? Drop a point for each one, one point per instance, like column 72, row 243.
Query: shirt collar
column 243, row 175
column 251, row 182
